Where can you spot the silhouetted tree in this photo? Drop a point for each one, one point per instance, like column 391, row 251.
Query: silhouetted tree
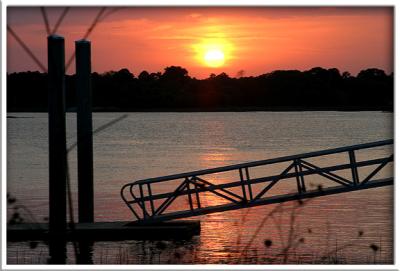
column 240, row 74
column 175, row 73
column 346, row 75
column 124, row 74
column 144, row 76
column 372, row 74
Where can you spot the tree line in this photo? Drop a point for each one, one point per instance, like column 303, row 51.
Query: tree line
column 174, row 90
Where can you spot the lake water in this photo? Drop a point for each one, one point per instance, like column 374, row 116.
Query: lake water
column 343, row 228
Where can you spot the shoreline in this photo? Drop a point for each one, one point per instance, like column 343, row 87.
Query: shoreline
column 209, row 110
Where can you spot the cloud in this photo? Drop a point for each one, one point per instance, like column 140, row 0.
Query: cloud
column 194, row 15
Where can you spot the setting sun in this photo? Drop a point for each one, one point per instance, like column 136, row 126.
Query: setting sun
column 214, row 58
column 213, row 53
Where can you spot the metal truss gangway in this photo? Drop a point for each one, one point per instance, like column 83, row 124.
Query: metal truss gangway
column 192, row 189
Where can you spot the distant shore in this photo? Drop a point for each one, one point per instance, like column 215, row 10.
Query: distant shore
column 317, row 89
column 221, row 109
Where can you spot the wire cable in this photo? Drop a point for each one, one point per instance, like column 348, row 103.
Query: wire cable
column 45, row 19
column 26, row 49
column 88, row 32
column 59, row 21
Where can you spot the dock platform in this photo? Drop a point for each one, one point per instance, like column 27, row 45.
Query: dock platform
column 109, row 231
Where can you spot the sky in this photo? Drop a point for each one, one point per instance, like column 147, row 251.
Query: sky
column 241, row 41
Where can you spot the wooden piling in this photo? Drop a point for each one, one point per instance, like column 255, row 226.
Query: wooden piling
column 57, row 149
column 84, row 127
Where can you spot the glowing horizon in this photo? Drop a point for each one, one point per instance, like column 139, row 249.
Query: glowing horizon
column 251, row 41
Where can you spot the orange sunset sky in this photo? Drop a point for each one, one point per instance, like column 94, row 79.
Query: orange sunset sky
column 209, row 40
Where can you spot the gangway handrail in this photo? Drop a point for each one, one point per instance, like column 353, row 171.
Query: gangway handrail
column 192, row 184
column 264, row 162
